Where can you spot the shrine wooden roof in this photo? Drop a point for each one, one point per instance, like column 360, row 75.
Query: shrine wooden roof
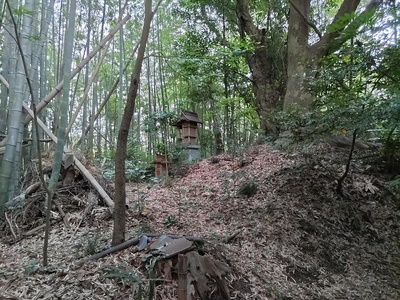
column 188, row 116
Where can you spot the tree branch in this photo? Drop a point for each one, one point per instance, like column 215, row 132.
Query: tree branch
column 246, row 24
column 305, row 19
column 339, row 187
column 348, row 6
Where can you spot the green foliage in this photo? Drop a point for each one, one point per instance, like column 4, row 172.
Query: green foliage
column 395, row 183
column 357, row 89
column 211, row 70
column 214, row 160
column 391, row 151
column 152, row 275
column 159, row 120
column 35, row 37
column 173, row 151
column 31, row 267
column 134, row 278
column 135, row 152
column 161, row 148
column 295, row 119
column 389, row 69
column 170, row 221
column 341, row 23
column 248, row 189
column 88, row 245
column 112, row 111
column 22, row 10
column 135, row 171
column 176, row 152
column 346, row 99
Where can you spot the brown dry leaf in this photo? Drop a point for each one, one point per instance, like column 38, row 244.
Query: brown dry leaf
column 369, row 187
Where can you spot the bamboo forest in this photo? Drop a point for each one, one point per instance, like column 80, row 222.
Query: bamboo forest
column 196, row 149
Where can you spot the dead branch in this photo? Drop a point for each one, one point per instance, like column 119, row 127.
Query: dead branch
column 231, row 237
column 32, row 188
column 60, row 210
column 11, row 228
column 34, row 230
column 339, row 188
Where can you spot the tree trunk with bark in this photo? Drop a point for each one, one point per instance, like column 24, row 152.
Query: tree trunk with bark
column 266, row 79
column 120, row 193
column 266, row 92
column 304, row 59
column 300, row 59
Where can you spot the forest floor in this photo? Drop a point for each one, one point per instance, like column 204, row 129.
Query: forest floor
column 295, row 238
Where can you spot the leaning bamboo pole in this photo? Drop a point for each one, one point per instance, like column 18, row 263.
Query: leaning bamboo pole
column 105, row 100
column 79, row 67
column 87, row 89
column 78, row 164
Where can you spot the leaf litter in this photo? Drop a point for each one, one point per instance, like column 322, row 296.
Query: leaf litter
column 295, row 238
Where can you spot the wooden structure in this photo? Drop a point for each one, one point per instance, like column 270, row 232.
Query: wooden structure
column 161, row 165
column 188, row 134
column 188, row 127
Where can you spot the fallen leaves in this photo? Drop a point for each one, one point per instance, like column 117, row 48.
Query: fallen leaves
column 298, row 239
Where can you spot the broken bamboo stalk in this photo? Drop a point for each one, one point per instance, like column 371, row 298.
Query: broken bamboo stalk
column 116, row 248
column 78, row 164
column 40, row 227
column 11, row 227
column 231, row 237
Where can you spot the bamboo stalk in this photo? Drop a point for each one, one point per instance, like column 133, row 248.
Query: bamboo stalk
column 80, row 66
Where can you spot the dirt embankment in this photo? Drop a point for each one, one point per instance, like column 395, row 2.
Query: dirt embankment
column 295, row 238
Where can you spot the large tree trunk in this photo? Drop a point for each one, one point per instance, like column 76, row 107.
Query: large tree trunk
column 266, row 93
column 300, row 60
column 266, row 79
column 304, row 59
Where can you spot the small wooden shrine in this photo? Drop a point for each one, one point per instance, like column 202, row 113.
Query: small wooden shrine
column 188, row 127
column 188, row 133
column 188, row 136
